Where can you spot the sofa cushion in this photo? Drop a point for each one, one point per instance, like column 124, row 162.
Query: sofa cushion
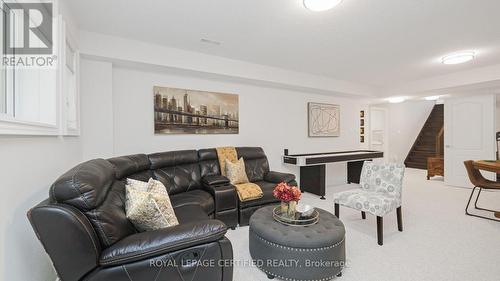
column 91, row 188
column 209, row 162
column 179, row 171
column 190, row 213
column 84, row 186
column 152, row 244
column 267, row 189
column 256, row 163
column 195, row 197
column 132, row 166
column 277, row 177
column 109, row 219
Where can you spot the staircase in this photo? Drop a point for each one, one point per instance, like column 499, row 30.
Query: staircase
column 429, row 142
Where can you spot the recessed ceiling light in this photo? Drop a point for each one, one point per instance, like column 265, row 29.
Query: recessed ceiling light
column 320, row 5
column 458, row 57
column 396, row 99
column 432, row 98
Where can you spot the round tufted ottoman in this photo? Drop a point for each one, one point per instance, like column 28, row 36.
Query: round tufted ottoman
column 314, row 252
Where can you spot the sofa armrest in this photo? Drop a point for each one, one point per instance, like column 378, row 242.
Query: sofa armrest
column 215, row 180
column 68, row 238
column 146, row 245
column 277, row 177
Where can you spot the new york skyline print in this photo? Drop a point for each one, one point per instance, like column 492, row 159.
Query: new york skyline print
column 184, row 111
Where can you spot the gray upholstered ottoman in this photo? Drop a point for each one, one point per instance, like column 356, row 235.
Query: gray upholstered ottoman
column 314, row 252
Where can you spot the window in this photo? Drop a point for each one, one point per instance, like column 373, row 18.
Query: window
column 38, row 100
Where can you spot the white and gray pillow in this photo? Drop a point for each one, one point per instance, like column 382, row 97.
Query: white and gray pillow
column 148, row 205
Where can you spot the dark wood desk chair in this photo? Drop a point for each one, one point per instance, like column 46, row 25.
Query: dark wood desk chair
column 480, row 182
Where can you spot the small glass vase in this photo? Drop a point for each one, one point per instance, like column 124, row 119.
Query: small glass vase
column 289, row 208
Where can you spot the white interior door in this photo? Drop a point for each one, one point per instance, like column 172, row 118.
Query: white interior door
column 469, row 134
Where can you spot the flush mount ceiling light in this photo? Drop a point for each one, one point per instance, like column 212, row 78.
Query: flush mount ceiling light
column 432, row 98
column 321, row 5
column 396, row 99
column 458, row 57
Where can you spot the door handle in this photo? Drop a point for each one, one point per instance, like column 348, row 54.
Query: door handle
column 448, row 146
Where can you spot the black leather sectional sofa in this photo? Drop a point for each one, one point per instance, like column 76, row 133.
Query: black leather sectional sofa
column 83, row 227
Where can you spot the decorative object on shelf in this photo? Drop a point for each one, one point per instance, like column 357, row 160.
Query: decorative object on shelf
column 182, row 111
column 289, row 196
column 323, row 120
column 362, row 126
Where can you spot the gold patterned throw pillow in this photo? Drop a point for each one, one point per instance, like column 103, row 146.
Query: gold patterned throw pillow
column 235, row 172
column 148, row 205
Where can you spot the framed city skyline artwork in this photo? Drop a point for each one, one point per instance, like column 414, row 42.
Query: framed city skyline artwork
column 323, row 120
column 184, row 111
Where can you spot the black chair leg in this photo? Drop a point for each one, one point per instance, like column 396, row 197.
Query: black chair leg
column 479, row 208
column 475, row 205
column 363, row 215
column 477, row 198
column 400, row 219
column 337, row 210
column 380, row 230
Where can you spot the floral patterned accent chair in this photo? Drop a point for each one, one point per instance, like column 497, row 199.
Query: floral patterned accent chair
column 379, row 193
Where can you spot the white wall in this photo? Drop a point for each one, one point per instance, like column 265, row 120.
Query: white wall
column 96, row 87
column 272, row 118
column 29, row 166
column 405, row 122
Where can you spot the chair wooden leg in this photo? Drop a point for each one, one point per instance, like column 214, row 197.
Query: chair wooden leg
column 337, row 210
column 363, row 215
column 380, row 230
column 400, row 219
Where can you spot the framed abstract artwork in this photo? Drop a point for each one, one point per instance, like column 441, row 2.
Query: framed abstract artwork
column 323, row 120
column 183, row 111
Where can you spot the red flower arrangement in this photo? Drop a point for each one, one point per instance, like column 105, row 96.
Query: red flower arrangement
column 286, row 192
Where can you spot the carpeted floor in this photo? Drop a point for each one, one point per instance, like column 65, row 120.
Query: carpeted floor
column 439, row 241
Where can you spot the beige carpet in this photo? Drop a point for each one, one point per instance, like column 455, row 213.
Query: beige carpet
column 439, row 241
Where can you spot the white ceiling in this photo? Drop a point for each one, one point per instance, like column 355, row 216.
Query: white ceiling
column 371, row 42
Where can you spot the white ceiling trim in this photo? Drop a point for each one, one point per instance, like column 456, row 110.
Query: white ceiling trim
column 126, row 50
